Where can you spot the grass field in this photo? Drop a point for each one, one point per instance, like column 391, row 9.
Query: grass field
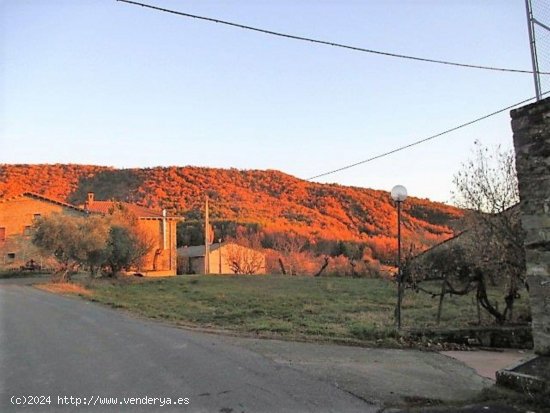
column 333, row 309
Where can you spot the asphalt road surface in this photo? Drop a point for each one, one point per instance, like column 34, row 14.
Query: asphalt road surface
column 53, row 348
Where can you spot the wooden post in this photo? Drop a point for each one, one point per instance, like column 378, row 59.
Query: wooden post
column 220, row 255
column 206, row 239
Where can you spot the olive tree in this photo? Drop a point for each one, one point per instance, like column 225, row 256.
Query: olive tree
column 73, row 241
column 127, row 244
column 126, row 249
column 111, row 242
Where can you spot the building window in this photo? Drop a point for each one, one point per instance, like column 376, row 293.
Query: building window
column 36, row 216
column 2, row 234
column 28, row 230
column 11, row 256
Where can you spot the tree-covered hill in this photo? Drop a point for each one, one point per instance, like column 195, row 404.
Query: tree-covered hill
column 277, row 202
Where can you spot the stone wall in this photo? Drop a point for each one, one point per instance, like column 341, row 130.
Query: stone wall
column 17, row 216
column 160, row 261
column 531, row 127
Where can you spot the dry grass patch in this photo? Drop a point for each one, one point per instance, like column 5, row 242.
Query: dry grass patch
column 65, row 289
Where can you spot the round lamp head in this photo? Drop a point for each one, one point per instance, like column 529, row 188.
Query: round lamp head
column 399, row 193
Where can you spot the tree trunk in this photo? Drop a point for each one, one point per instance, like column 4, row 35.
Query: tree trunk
column 441, row 297
column 325, row 265
column 478, row 313
column 483, row 299
column 353, row 271
column 282, row 266
column 510, row 298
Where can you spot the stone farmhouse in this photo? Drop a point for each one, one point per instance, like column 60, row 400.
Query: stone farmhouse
column 224, row 258
column 18, row 214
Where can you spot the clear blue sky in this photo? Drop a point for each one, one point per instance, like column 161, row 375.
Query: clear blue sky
column 108, row 83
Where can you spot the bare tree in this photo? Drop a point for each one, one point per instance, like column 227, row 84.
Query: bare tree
column 488, row 182
column 323, row 267
column 244, row 260
column 487, row 187
column 490, row 250
column 289, row 245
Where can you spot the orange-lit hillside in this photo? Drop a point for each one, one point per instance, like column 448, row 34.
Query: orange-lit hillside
column 277, row 201
column 53, row 181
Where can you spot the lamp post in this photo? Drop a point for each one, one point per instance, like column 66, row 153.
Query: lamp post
column 399, row 194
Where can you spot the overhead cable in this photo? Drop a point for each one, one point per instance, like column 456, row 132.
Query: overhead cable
column 334, row 44
column 418, row 142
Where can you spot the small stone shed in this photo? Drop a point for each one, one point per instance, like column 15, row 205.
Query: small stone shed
column 224, row 258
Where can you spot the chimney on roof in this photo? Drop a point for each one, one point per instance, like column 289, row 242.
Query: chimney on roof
column 90, row 199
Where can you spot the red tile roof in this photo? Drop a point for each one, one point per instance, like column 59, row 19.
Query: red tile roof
column 101, row 207
column 43, row 198
column 105, row 207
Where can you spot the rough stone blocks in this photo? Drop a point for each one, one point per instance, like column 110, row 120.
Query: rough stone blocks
column 531, row 127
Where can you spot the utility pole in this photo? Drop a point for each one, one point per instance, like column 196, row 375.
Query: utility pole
column 220, row 255
column 532, row 44
column 206, row 240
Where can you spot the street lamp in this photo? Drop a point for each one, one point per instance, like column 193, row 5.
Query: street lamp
column 399, row 194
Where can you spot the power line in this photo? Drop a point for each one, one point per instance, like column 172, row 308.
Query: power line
column 383, row 53
column 327, row 43
column 401, row 148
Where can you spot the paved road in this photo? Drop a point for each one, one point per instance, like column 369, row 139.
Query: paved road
column 57, row 346
column 387, row 377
